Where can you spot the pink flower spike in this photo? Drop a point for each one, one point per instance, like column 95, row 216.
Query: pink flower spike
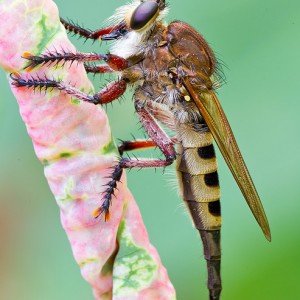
column 73, row 141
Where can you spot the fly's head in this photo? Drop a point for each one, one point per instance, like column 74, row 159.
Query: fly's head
column 141, row 15
column 145, row 14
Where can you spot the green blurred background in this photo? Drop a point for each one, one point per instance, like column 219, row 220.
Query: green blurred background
column 259, row 41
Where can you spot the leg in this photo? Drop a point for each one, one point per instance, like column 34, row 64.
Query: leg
column 138, row 144
column 135, row 145
column 98, row 69
column 159, row 139
column 111, row 92
column 114, row 62
column 105, row 34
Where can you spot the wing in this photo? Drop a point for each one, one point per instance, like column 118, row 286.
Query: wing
column 217, row 122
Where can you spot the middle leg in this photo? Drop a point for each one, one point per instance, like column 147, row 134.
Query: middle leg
column 109, row 93
column 104, row 34
column 114, row 62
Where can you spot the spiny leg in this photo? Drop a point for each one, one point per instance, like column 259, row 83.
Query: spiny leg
column 159, row 139
column 138, row 144
column 98, row 69
column 109, row 93
column 114, row 62
column 125, row 163
column 112, row 91
column 105, row 34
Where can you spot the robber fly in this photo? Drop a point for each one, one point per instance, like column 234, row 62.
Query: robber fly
column 174, row 73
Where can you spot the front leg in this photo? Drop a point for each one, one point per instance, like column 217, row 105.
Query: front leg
column 104, row 34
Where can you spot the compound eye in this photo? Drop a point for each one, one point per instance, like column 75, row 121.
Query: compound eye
column 143, row 15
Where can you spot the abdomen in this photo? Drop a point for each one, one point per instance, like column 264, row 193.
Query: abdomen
column 199, row 184
column 198, row 177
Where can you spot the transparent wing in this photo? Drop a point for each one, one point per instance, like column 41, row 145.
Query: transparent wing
column 217, row 122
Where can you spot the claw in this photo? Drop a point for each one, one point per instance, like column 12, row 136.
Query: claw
column 15, row 75
column 99, row 211
column 107, row 216
column 27, row 55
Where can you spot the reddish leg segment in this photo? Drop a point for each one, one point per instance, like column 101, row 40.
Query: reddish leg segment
column 98, row 69
column 138, row 144
column 156, row 133
column 111, row 92
column 114, row 62
column 135, row 145
column 109, row 33
column 159, row 139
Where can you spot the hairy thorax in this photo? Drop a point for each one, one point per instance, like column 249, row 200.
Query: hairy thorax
column 163, row 62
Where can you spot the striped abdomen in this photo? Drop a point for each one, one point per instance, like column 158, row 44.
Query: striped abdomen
column 198, row 180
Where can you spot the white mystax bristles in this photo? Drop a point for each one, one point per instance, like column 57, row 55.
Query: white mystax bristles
column 134, row 42
column 121, row 12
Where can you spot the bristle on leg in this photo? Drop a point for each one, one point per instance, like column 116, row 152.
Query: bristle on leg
column 109, row 192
